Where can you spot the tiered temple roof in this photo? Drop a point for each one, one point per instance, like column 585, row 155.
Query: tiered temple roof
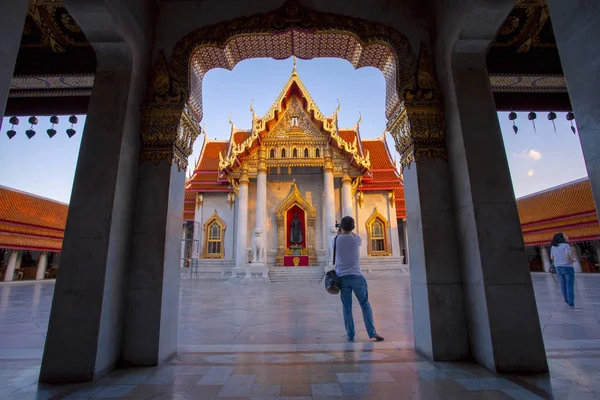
column 29, row 222
column 567, row 208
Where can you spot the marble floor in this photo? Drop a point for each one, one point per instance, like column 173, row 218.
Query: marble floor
column 287, row 342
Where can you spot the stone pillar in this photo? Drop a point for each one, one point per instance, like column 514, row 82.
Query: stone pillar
column 577, row 256
column 440, row 327
column 545, row 258
column 261, row 206
column 329, row 194
column 12, row 21
column 10, row 268
column 504, row 328
column 85, row 331
column 241, row 253
column 347, row 195
column 576, row 26
column 41, row 267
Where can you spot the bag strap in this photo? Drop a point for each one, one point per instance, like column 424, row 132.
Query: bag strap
column 334, row 243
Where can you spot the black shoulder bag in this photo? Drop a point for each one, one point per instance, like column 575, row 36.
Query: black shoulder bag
column 332, row 280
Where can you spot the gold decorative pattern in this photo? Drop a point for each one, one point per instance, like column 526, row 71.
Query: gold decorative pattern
column 295, row 30
column 214, row 219
column 310, row 216
column 419, row 132
column 168, row 128
column 528, row 83
column 376, row 217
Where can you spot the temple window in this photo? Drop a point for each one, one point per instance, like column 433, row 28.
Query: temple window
column 306, row 152
column 295, row 153
column 317, row 153
column 272, row 153
column 282, row 153
column 214, row 236
column 377, row 232
column 294, row 121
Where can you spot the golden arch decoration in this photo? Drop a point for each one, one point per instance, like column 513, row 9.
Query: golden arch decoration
column 214, row 247
column 373, row 234
column 413, row 107
column 310, row 217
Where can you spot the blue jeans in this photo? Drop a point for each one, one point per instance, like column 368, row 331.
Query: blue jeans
column 358, row 284
column 566, row 276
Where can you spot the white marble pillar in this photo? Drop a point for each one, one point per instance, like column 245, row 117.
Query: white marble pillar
column 41, row 267
column 545, row 258
column 577, row 256
column 347, row 195
column 329, row 195
column 261, row 212
column 12, row 20
column 183, row 237
column 241, row 254
column 10, row 268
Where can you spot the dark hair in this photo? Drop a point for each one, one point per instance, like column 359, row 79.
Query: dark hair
column 558, row 239
column 347, row 223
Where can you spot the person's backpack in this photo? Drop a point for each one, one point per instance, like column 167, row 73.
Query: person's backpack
column 332, row 280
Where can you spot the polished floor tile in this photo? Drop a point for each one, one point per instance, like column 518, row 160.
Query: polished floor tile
column 288, row 342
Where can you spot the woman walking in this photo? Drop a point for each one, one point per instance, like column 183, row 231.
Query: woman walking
column 563, row 260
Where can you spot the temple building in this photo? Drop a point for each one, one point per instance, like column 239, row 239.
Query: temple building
column 279, row 188
column 570, row 209
column 31, row 235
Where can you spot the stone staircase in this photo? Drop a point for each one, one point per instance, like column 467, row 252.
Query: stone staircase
column 296, row 274
column 208, row 269
column 384, row 266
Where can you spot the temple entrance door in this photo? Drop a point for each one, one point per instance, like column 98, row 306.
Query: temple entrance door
column 295, row 231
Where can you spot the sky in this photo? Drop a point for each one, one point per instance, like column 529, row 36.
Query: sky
column 538, row 159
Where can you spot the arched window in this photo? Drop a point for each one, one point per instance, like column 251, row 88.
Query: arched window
column 306, row 153
column 317, row 153
column 295, row 153
column 282, row 153
column 214, row 237
column 377, row 232
column 272, row 153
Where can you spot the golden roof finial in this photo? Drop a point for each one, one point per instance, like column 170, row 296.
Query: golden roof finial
column 359, row 119
column 252, row 109
column 294, row 72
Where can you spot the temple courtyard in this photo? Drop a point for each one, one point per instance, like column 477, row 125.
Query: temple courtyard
column 284, row 341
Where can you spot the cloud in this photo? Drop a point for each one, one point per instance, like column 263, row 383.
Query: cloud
column 532, row 154
column 530, row 173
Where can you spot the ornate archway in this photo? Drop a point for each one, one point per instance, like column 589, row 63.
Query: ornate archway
column 413, row 108
column 294, row 198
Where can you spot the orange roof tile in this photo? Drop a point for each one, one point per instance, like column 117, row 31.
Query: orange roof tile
column 239, row 136
column 31, row 222
column 563, row 201
column 380, row 157
column 25, row 208
column 210, row 155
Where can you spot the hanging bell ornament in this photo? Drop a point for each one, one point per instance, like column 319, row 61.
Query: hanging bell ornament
column 71, row 132
column 33, row 120
column 552, row 117
column 51, row 132
column 570, row 118
column 512, row 116
column 30, row 133
column 532, row 116
column 13, row 121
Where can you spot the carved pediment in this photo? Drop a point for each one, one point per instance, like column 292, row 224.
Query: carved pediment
column 295, row 124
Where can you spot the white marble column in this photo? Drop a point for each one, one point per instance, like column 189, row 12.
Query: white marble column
column 261, row 205
column 41, row 267
column 10, row 268
column 241, row 254
column 347, row 195
column 329, row 195
column 12, row 21
column 545, row 258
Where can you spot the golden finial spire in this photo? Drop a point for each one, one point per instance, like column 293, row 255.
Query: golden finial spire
column 294, row 72
column 359, row 119
column 252, row 109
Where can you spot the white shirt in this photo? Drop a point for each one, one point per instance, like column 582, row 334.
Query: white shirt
column 560, row 255
column 347, row 255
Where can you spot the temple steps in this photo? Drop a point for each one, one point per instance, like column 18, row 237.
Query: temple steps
column 296, row 274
